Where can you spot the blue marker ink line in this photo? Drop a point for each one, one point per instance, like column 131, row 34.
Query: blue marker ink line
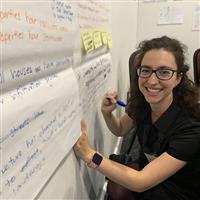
column 119, row 102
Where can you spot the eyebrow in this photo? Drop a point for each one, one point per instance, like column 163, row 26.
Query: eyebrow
column 159, row 67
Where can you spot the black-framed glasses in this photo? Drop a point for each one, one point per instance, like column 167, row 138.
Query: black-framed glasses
column 162, row 73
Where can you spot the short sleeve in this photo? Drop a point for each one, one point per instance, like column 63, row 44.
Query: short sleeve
column 185, row 145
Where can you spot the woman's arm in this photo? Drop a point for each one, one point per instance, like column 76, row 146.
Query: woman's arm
column 118, row 126
column 151, row 175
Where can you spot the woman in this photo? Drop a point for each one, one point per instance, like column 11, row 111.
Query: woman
column 164, row 106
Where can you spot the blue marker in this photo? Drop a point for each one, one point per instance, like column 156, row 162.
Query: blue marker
column 119, row 102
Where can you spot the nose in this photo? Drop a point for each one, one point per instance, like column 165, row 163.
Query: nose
column 153, row 78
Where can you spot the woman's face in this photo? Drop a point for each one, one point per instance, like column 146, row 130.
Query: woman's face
column 158, row 93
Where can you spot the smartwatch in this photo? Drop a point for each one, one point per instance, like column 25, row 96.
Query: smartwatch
column 96, row 161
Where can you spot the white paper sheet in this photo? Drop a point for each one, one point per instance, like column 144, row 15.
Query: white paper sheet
column 93, row 76
column 196, row 19
column 170, row 15
column 93, row 14
column 40, row 123
column 37, row 39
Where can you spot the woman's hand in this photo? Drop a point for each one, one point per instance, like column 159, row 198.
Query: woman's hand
column 108, row 103
column 82, row 147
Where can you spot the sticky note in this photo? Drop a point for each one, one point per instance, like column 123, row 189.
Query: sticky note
column 104, row 37
column 97, row 39
column 87, row 40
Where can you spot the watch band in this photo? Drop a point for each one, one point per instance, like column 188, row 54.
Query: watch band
column 96, row 161
column 92, row 165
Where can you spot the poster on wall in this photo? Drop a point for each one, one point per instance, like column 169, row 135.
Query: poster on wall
column 39, row 125
column 35, row 41
column 170, row 15
column 92, row 14
column 93, row 78
column 40, row 114
column 196, row 18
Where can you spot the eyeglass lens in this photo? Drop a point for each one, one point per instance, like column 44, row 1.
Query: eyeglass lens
column 162, row 73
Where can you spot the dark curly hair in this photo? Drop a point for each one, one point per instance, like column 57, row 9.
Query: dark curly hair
column 186, row 94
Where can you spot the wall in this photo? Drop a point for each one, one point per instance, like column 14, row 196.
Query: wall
column 148, row 16
column 125, row 22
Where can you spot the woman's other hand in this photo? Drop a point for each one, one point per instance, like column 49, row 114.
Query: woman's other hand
column 82, row 147
column 108, row 103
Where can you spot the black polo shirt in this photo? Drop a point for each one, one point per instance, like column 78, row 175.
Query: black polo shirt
column 178, row 134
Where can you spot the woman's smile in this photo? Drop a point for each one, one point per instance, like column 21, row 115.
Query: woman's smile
column 153, row 91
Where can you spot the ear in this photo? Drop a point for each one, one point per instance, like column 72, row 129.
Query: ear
column 179, row 78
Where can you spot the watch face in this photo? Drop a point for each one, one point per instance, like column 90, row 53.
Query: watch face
column 97, row 159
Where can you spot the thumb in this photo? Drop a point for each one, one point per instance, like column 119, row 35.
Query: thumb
column 83, row 127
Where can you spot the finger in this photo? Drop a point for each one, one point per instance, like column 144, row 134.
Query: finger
column 112, row 94
column 115, row 94
column 83, row 127
column 106, row 100
column 111, row 99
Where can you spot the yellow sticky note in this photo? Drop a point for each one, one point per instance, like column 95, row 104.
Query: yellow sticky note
column 87, row 40
column 97, row 39
column 104, row 37
column 109, row 37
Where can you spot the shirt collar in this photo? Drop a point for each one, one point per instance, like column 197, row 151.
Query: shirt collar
column 167, row 118
column 164, row 121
